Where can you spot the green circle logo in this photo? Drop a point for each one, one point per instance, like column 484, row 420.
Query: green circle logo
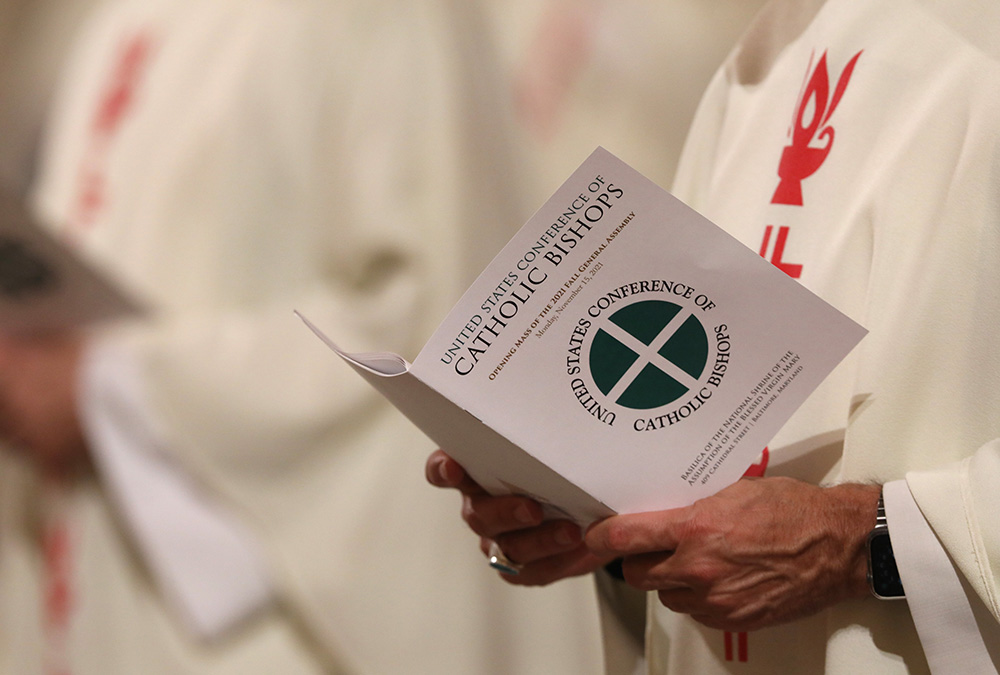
column 649, row 354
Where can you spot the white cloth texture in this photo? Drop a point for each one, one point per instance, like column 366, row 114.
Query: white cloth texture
column 626, row 76
column 228, row 162
column 941, row 609
column 209, row 566
column 855, row 146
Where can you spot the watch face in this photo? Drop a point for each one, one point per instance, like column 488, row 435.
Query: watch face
column 884, row 575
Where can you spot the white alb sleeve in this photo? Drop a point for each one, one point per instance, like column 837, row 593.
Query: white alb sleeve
column 938, row 603
column 207, row 564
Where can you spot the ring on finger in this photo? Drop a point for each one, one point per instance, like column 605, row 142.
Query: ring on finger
column 501, row 562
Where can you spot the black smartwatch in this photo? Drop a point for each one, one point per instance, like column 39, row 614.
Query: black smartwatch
column 883, row 575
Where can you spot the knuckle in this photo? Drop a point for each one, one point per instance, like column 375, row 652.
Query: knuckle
column 472, row 517
column 699, row 576
column 511, row 547
column 698, row 525
column 617, row 539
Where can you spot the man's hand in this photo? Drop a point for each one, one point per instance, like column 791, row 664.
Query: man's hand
column 759, row 553
column 38, row 407
column 548, row 551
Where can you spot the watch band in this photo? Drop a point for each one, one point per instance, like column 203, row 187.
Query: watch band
column 883, row 575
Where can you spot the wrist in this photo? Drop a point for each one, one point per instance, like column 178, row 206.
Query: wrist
column 855, row 516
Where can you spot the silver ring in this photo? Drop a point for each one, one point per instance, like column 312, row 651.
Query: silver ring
column 502, row 563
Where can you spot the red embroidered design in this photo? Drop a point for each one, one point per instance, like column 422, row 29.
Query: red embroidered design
column 557, row 57
column 794, row 271
column 811, row 135
column 116, row 101
column 743, row 647
column 757, row 469
column 799, row 160
column 58, row 594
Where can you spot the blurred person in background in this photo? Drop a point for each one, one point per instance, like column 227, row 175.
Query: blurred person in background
column 626, row 75
column 34, row 38
column 204, row 489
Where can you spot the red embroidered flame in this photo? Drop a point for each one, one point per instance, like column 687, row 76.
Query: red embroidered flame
column 812, row 139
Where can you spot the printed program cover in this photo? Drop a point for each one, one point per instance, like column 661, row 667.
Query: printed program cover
column 621, row 354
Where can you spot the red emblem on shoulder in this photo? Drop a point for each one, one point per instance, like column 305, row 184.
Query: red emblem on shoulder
column 811, row 135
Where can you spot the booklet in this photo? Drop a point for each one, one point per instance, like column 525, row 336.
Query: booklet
column 621, row 354
column 43, row 284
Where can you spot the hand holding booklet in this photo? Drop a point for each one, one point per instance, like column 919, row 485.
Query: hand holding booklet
column 621, row 354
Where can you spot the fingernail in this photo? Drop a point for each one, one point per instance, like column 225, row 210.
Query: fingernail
column 444, row 473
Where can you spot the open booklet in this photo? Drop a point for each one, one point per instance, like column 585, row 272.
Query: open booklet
column 43, row 284
column 621, row 354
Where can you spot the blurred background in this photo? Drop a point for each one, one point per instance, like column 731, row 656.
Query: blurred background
column 203, row 488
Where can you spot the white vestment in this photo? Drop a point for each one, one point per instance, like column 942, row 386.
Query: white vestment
column 855, row 145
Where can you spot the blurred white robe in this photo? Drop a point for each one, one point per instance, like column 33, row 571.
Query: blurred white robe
column 229, row 161
column 626, row 75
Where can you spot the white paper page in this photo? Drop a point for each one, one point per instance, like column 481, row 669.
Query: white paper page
column 633, row 346
column 498, row 465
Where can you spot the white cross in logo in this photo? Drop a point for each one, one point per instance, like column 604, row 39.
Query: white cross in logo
column 649, row 355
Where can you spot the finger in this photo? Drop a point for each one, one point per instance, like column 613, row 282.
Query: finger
column 8, row 419
column 561, row 566
column 682, row 600
column 697, row 606
column 6, row 426
column 652, row 572
column 551, row 538
column 637, row 533
column 7, row 351
column 722, row 623
column 490, row 516
column 444, row 472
